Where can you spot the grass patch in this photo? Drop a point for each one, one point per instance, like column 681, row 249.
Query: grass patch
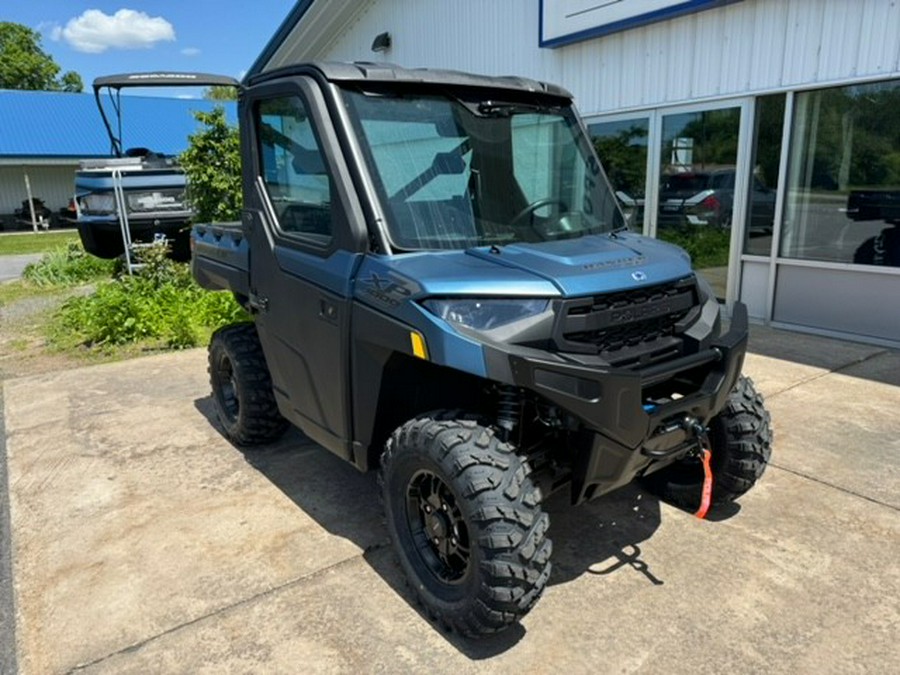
column 63, row 267
column 67, row 265
column 41, row 242
column 69, row 307
column 14, row 291
column 160, row 308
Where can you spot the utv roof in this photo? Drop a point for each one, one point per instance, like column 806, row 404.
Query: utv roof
column 163, row 79
column 391, row 73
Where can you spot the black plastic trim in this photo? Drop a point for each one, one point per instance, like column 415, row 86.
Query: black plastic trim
column 610, row 403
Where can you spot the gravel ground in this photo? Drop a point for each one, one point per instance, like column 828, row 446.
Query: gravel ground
column 23, row 349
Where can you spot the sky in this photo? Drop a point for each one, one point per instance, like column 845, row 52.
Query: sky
column 97, row 37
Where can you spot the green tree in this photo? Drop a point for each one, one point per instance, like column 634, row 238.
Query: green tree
column 24, row 65
column 624, row 157
column 212, row 163
column 71, row 81
column 715, row 135
column 220, row 92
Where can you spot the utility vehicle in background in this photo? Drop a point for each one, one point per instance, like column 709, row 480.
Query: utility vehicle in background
column 137, row 194
column 442, row 289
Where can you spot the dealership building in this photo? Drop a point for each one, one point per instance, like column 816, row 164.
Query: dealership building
column 761, row 135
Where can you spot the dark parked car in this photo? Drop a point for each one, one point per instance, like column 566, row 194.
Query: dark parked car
column 707, row 198
column 875, row 205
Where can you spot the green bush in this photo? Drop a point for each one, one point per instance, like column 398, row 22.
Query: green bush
column 160, row 306
column 212, row 164
column 67, row 265
column 707, row 246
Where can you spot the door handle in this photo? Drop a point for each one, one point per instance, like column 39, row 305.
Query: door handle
column 258, row 303
column 328, row 311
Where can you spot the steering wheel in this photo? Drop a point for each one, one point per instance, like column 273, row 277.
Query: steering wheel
column 534, row 206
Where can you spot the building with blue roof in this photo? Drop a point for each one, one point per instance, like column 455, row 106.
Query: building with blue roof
column 44, row 135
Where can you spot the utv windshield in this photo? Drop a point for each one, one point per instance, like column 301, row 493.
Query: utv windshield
column 457, row 172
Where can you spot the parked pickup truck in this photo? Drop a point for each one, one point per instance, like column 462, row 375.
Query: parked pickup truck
column 442, row 289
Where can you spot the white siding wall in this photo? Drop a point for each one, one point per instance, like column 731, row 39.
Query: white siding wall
column 750, row 46
column 55, row 184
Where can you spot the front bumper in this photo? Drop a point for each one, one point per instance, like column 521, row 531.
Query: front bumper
column 626, row 430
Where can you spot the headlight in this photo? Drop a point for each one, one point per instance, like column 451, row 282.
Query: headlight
column 101, row 203
column 486, row 314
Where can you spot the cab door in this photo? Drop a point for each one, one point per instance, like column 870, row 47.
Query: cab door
column 307, row 236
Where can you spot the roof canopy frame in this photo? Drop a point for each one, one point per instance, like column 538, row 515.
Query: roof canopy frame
column 115, row 83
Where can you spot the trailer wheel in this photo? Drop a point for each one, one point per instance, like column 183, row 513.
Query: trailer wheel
column 242, row 387
column 741, row 440
column 466, row 522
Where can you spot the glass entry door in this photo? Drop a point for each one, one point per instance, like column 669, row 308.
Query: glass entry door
column 621, row 145
column 698, row 190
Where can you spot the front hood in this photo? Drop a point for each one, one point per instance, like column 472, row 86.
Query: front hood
column 572, row 268
column 594, row 264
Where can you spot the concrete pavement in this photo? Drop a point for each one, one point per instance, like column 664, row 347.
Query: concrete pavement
column 144, row 542
column 12, row 266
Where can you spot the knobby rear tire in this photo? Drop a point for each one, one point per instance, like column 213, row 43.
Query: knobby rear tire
column 242, row 387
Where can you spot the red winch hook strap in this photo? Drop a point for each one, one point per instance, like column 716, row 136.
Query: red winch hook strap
column 706, row 493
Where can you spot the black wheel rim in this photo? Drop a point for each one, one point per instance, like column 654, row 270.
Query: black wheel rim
column 226, row 392
column 437, row 526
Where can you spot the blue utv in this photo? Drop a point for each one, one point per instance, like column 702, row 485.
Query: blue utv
column 442, row 289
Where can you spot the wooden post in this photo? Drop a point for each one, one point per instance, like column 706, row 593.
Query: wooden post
column 30, row 203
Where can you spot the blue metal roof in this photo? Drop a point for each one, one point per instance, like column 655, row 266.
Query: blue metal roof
column 45, row 124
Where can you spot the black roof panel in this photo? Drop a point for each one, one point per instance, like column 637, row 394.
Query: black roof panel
column 388, row 72
column 164, row 79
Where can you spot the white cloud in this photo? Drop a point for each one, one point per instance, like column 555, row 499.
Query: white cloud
column 190, row 51
column 94, row 32
column 48, row 29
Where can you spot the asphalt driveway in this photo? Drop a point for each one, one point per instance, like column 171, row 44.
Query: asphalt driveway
column 12, row 266
column 143, row 542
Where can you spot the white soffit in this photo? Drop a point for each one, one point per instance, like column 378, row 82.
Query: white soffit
column 319, row 26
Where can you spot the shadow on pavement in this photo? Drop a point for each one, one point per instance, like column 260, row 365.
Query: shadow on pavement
column 871, row 362
column 345, row 502
column 603, row 537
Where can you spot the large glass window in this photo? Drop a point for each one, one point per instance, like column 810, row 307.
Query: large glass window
column 455, row 173
column 764, row 182
column 696, row 187
column 843, row 199
column 294, row 170
column 622, row 148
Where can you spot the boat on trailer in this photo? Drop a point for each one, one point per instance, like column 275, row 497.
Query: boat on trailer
column 136, row 195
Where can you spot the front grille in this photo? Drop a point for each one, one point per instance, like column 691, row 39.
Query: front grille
column 628, row 326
